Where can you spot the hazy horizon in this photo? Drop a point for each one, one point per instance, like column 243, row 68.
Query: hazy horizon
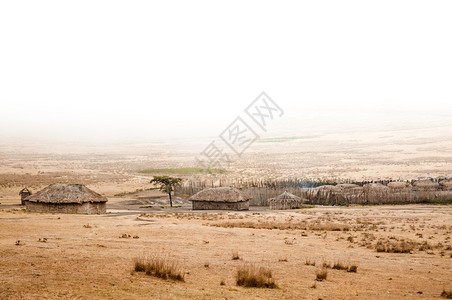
column 107, row 72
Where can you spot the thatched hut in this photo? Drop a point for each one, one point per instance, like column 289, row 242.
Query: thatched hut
column 327, row 189
column 24, row 193
column 375, row 187
column 446, row 185
column 68, row 199
column 225, row 198
column 375, row 192
column 425, row 186
column 350, row 189
column 286, row 201
column 399, row 185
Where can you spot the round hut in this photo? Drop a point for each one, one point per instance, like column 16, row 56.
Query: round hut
column 325, row 194
column 67, row 199
column 350, row 189
column 399, row 186
column 425, row 186
column 224, row 198
column 286, row 201
column 446, row 185
column 375, row 192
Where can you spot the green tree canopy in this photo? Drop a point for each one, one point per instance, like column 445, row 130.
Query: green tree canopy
column 167, row 184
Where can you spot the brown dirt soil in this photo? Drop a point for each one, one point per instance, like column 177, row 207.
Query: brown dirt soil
column 80, row 256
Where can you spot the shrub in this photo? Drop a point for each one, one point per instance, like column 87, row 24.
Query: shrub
column 446, row 294
column 394, row 247
column 321, row 274
column 252, row 276
column 309, row 262
column 339, row 266
column 235, row 255
column 353, row 269
column 159, row 267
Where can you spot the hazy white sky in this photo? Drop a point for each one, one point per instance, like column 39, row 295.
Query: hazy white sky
column 115, row 70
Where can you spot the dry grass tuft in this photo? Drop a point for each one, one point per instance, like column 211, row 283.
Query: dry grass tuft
column 309, row 262
column 321, row 274
column 339, row 266
column 446, row 294
column 352, row 269
column 159, row 267
column 394, row 247
column 253, row 276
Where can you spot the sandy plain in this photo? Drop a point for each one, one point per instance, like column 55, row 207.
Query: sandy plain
column 78, row 256
column 86, row 257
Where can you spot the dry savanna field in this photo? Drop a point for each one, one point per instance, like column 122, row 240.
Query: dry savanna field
column 142, row 248
column 365, row 252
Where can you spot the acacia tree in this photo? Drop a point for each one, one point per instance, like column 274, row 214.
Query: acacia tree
column 167, row 184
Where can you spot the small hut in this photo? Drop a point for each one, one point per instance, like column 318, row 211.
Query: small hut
column 286, row 201
column 68, row 199
column 225, row 198
column 425, row 186
column 399, row 186
column 24, row 193
column 375, row 192
column 446, row 185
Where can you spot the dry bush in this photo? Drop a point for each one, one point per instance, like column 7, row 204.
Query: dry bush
column 395, row 247
column 446, row 294
column 339, row 266
column 159, row 267
column 253, row 276
column 352, row 269
column 289, row 242
column 321, row 274
column 235, row 255
column 262, row 225
column 329, row 227
column 425, row 246
column 309, row 262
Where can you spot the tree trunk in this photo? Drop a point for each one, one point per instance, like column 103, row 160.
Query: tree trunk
column 170, row 200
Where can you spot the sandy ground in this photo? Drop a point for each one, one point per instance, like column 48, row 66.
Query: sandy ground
column 85, row 257
column 77, row 256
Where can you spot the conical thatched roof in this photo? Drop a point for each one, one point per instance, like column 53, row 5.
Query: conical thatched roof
column 375, row 187
column 286, row 196
column 328, row 188
column 426, row 183
column 446, row 184
column 399, row 185
column 220, row 194
column 66, row 193
column 286, row 201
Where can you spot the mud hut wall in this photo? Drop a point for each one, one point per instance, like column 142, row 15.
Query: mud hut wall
column 67, row 208
column 214, row 205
